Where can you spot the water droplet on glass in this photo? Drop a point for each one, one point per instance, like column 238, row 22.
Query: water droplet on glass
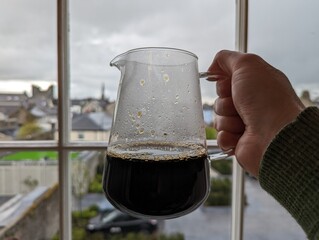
column 142, row 82
column 139, row 114
column 165, row 77
column 152, row 133
column 176, row 102
column 177, row 96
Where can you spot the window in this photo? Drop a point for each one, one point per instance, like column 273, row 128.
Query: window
column 288, row 43
column 80, row 135
column 84, row 86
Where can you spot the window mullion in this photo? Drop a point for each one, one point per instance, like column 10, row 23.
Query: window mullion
column 238, row 172
column 64, row 117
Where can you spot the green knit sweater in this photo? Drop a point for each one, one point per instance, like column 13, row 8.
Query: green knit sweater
column 290, row 170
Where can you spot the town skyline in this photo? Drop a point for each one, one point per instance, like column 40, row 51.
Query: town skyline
column 22, row 86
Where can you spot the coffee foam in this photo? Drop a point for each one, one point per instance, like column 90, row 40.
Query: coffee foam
column 156, row 151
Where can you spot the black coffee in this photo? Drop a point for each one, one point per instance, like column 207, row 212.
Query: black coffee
column 164, row 187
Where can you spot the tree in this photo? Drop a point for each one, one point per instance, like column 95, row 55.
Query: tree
column 29, row 130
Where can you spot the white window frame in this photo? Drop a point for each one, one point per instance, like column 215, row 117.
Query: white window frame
column 64, row 145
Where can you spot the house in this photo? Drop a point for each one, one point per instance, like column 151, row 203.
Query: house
column 93, row 126
column 16, row 109
column 10, row 103
column 306, row 99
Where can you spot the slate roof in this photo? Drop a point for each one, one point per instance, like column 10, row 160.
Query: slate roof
column 95, row 121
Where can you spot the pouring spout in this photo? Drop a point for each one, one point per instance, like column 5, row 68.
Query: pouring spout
column 118, row 61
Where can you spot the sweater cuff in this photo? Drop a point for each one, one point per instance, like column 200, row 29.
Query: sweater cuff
column 289, row 170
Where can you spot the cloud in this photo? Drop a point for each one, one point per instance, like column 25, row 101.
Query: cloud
column 285, row 35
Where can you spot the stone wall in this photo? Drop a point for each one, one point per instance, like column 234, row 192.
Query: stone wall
column 39, row 222
column 40, row 219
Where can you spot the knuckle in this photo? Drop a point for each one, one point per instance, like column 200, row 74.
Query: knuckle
column 249, row 58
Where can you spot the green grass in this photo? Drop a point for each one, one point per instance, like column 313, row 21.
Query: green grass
column 34, row 155
column 211, row 133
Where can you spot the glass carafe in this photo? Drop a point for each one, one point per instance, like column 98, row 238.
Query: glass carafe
column 156, row 164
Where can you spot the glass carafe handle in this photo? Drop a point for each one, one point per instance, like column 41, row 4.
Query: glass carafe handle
column 207, row 75
column 220, row 156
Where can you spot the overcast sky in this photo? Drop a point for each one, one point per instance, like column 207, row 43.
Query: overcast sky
column 285, row 33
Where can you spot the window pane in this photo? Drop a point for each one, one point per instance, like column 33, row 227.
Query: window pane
column 89, row 205
column 27, row 70
column 29, row 197
column 265, row 218
column 288, row 39
column 100, row 30
column 288, row 42
column 213, row 219
column 91, row 210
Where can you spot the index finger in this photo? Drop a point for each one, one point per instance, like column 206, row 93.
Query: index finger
column 224, row 64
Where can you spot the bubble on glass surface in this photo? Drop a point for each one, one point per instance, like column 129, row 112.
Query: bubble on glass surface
column 141, row 131
column 142, row 82
column 165, row 77
column 153, row 133
column 133, row 119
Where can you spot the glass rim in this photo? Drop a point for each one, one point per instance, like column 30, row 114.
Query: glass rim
column 161, row 48
column 145, row 49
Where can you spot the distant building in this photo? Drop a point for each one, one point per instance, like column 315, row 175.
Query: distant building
column 16, row 109
column 94, row 126
column 306, row 99
column 10, row 103
column 89, row 105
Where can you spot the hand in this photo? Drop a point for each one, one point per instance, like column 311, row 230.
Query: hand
column 255, row 101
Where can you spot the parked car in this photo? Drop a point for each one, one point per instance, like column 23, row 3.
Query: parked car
column 115, row 222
